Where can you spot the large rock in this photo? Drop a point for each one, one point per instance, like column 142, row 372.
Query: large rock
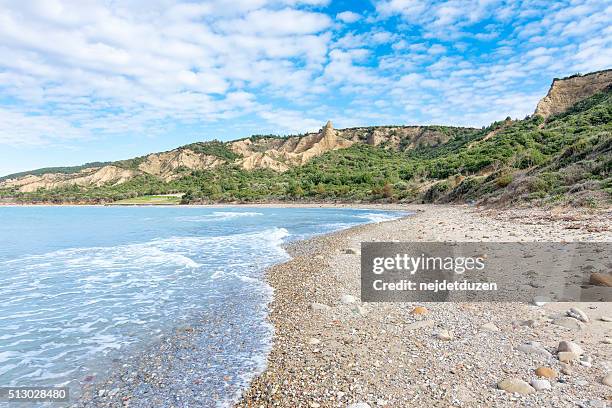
column 546, row 372
column 534, row 348
column 515, row 385
column 577, row 314
column 607, row 380
column 601, row 279
column 569, row 323
column 570, row 346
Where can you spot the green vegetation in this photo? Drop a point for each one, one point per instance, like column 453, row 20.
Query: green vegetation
column 63, row 170
column 566, row 158
column 151, row 200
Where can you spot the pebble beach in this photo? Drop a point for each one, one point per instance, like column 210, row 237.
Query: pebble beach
column 332, row 350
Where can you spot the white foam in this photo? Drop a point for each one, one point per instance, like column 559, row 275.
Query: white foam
column 219, row 216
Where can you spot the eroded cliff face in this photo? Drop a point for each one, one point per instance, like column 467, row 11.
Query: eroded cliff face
column 86, row 177
column 564, row 93
column 168, row 165
column 281, row 154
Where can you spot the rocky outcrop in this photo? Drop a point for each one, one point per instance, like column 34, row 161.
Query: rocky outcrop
column 86, row 177
column 566, row 92
column 168, row 165
column 281, row 154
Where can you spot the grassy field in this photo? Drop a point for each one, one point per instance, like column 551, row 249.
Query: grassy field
column 172, row 199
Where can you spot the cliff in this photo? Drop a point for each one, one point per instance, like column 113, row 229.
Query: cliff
column 566, row 92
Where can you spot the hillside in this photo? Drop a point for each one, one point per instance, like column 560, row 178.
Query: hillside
column 562, row 154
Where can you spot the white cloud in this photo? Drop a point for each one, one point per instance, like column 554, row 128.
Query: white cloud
column 348, row 17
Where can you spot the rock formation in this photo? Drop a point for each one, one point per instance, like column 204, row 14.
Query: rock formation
column 566, row 92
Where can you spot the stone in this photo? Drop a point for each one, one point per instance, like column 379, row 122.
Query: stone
column 534, row 348
column 566, row 369
column 320, row 307
column 489, row 327
column 607, row 340
column 605, row 319
column 515, row 385
column 586, row 361
column 313, row 341
column 359, row 405
column 346, row 299
column 540, row 300
column 541, row 384
column 570, row 346
column 607, row 380
column 350, row 251
column 421, row 324
column 601, row 279
column 546, row 372
column 529, row 323
column 567, row 356
column 101, row 393
column 569, row 323
column 445, row 335
column 359, row 310
column 419, row 310
column 577, row 314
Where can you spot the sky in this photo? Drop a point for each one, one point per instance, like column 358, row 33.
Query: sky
column 84, row 81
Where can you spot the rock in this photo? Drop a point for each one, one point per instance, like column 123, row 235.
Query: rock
column 570, row 346
column 445, row 335
column 515, row 385
column 313, row 341
column 314, row 405
column 601, row 279
column 569, row 322
column 567, row 356
column 566, row 369
column 534, row 348
column 586, row 361
column 101, row 393
column 381, row 402
column 419, row 310
column 489, row 327
column 421, row 324
column 540, row 300
column 540, row 384
column 359, row 405
column 607, row 340
column 578, row 314
column 605, row 319
column 546, row 372
column 607, row 380
column 320, row 307
column 346, row 299
column 350, row 251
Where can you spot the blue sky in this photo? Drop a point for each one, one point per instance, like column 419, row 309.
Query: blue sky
column 88, row 81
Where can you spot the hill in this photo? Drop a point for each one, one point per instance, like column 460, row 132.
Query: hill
column 561, row 154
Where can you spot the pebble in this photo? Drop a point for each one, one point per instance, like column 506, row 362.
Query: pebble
column 541, row 384
column 566, row 369
column 445, row 335
column 320, row 307
column 314, row 341
column 101, row 393
column 607, row 340
column 586, row 361
column 346, row 299
column 570, row 346
column 601, row 279
column 546, row 372
column 350, row 251
column 540, row 301
column 607, row 380
column 567, row 356
column 605, row 319
column 490, row 327
column 515, row 385
column 359, row 405
column 534, row 348
column 419, row 310
column 577, row 314
column 360, row 310
column 569, row 323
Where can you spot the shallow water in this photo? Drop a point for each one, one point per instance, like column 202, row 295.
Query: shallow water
column 82, row 285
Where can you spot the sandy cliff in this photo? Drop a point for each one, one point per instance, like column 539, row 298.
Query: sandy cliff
column 564, row 93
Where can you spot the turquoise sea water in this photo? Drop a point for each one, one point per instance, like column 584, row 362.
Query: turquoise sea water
column 82, row 285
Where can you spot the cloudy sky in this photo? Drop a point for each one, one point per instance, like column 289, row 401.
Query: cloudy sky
column 104, row 80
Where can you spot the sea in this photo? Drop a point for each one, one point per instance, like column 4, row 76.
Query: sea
column 82, row 287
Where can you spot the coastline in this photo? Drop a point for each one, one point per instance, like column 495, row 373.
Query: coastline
column 330, row 352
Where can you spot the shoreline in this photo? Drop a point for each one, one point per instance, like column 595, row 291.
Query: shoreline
column 115, row 384
column 330, row 352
